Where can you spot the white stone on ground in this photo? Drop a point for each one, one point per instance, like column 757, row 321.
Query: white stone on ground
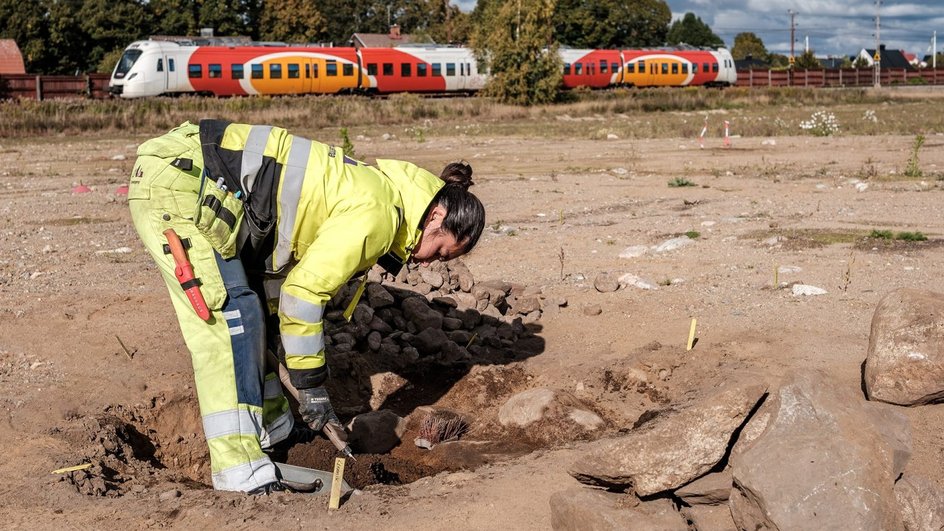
column 807, row 290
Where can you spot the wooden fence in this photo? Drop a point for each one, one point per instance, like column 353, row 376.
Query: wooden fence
column 53, row 87
column 842, row 77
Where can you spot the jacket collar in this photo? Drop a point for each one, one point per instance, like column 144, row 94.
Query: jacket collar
column 416, row 187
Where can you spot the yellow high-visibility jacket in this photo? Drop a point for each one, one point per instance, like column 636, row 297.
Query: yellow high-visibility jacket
column 331, row 216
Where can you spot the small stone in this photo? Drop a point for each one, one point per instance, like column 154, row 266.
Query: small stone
column 373, row 341
column 634, row 251
column 432, row 278
column 118, row 157
column 630, row 279
column 606, row 283
column 673, row 244
column 378, row 296
column 169, row 495
column 592, row 309
column 612, row 136
column 807, row 290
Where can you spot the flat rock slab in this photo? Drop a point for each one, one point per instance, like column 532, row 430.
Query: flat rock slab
column 921, row 503
column 670, row 451
column 712, row 489
column 582, row 509
column 823, row 458
column 905, row 363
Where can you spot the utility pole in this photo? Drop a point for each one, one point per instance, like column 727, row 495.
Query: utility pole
column 878, row 45
column 807, row 48
column 793, row 15
column 934, row 50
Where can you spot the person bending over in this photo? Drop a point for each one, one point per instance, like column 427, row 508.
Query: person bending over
column 273, row 225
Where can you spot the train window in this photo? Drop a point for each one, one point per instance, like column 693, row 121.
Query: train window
column 714, row 67
column 665, row 68
column 450, row 69
column 642, row 66
column 705, row 67
column 566, row 69
column 293, row 72
column 160, row 64
column 675, row 68
column 275, row 71
column 371, row 69
column 437, row 69
column 614, row 67
column 694, row 68
column 388, row 69
column 578, row 69
column 170, row 65
column 307, row 71
column 631, row 68
column 468, row 69
column 421, row 69
column 331, row 69
column 406, row 69
column 684, row 68
column 236, row 70
column 256, row 71
column 314, row 70
column 215, row 71
column 347, row 69
column 195, row 70
column 603, row 66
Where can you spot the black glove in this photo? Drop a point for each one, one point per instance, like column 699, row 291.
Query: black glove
column 315, row 407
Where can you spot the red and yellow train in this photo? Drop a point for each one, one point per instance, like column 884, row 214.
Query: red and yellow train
column 157, row 67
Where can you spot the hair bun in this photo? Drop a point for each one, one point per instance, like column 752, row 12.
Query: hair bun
column 458, row 173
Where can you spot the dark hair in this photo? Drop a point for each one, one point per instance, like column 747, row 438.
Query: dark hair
column 465, row 214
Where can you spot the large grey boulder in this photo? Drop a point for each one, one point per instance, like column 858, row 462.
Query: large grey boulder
column 819, row 457
column 673, row 449
column 578, row 509
column 905, row 363
column 921, row 503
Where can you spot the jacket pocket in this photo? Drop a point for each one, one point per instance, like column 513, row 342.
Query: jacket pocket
column 217, row 217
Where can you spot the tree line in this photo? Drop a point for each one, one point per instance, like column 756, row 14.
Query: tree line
column 77, row 36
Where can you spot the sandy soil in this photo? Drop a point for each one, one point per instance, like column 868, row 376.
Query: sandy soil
column 560, row 213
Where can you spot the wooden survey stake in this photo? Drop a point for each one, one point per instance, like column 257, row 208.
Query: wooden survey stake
column 336, row 481
column 691, row 336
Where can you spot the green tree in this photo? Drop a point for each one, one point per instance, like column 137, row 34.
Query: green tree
column 861, row 62
column 691, row 30
column 292, row 21
column 749, row 44
column 227, row 17
column 25, row 23
column 173, row 17
column 807, row 61
column 611, row 23
column 108, row 26
column 514, row 42
column 777, row 60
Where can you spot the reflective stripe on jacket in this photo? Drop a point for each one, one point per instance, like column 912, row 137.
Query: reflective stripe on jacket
column 331, row 217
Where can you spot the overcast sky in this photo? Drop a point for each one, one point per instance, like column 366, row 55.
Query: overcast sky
column 834, row 27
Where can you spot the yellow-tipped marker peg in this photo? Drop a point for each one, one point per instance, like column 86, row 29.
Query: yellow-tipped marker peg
column 72, row 468
column 336, row 481
column 691, row 336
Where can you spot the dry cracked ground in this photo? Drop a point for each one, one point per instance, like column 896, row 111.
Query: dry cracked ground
column 93, row 368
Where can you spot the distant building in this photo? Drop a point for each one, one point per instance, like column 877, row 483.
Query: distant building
column 831, row 63
column 11, row 60
column 890, row 58
column 382, row 40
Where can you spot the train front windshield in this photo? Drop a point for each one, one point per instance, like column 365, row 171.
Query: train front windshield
column 126, row 62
